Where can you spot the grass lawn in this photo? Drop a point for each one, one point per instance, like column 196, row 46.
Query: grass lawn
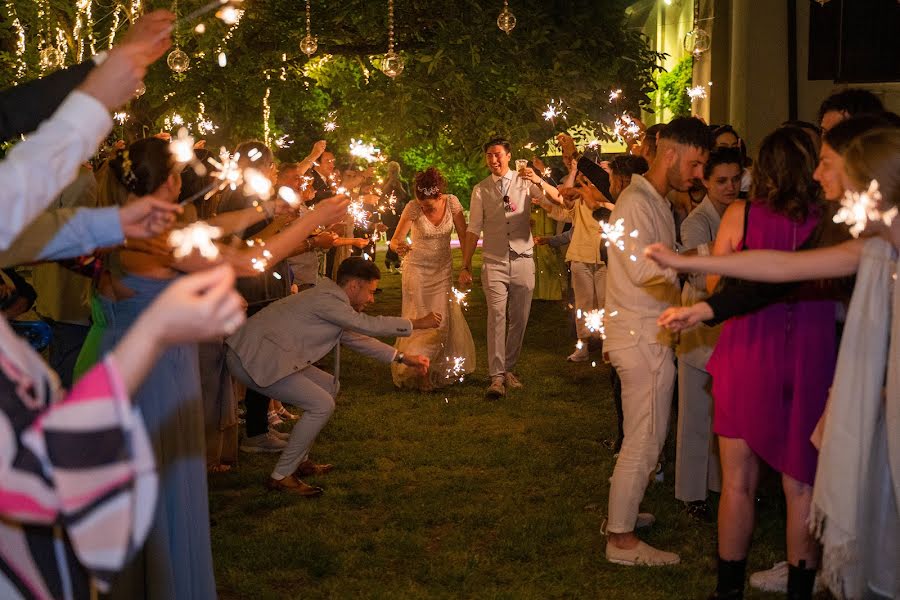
column 446, row 495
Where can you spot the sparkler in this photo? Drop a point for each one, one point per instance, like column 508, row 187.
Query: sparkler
column 196, row 236
column 613, row 233
column 555, row 108
column 284, row 141
column 227, row 12
column 457, row 370
column 257, row 184
column 358, row 212
column 625, row 126
column 459, row 296
column 182, row 147
column 289, row 195
column 593, row 320
column 859, row 208
column 614, row 96
column 697, row 92
column 365, row 151
column 120, row 117
column 227, row 173
column 331, row 122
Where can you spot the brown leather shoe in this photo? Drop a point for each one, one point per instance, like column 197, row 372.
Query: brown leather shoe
column 308, row 468
column 294, row 486
column 512, row 381
column 496, row 389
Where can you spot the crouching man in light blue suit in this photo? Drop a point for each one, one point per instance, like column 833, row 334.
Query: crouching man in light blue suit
column 274, row 352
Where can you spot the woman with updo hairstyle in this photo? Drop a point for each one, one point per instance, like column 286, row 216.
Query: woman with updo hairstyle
column 176, row 561
column 427, row 285
column 855, row 495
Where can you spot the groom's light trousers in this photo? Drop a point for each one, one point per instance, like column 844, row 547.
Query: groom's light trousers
column 508, row 286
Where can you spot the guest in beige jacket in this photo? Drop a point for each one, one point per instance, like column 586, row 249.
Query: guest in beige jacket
column 275, row 352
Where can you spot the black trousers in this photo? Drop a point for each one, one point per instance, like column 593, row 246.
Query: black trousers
column 256, row 404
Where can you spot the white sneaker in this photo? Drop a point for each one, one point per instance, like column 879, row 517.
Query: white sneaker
column 643, row 555
column 580, row 355
column 775, row 579
column 263, row 443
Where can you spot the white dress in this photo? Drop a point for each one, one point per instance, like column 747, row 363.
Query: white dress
column 427, row 283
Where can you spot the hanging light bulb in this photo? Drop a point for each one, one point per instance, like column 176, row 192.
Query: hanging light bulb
column 392, row 63
column 140, row 90
column 178, row 60
column 822, row 2
column 506, row 21
column 310, row 43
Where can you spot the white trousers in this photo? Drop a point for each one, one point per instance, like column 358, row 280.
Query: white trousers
column 697, row 467
column 589, row 286
column 508, row 287
column 647, row 371
column 311, row 390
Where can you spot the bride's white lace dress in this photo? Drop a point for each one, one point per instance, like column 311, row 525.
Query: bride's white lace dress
column 427, row 283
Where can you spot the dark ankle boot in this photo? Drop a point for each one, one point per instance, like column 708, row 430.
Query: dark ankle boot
column 800, row 582
column 730, row 584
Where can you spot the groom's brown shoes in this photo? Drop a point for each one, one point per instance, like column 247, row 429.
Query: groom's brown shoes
column 496, row 389
column 308, row 468
column 513, row 382
column 294, row 486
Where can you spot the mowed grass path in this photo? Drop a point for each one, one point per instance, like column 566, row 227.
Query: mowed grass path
column 446, row 495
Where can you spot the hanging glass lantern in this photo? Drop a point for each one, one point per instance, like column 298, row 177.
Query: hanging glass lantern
column 506, row 21
column 178, row 60
column 309, row 43
column 391, row 63
column 696, row 41
column 51, row 58
column 140, row 90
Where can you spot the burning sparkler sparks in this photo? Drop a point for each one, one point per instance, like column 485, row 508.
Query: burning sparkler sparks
column 459, row 296
column 182, row 147
column 555, row 108
column 257, row 184
column 860, row 208
column 331, row 122
column 365, row 151
column 359, row 214
column 613, row 233
column 593, row 320
column 456, row 370
column 284, row 141
column 120, row 117
column 196, row 236
column 289, row 195
column 614, row 95
column 697, row 92
column 626, row 127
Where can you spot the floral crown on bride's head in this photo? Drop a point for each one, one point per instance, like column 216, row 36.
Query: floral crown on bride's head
column 429, row 191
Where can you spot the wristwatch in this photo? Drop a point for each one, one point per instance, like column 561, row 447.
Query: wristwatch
column 399, row 358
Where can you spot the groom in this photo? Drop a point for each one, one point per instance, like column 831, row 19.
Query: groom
column 501, row 209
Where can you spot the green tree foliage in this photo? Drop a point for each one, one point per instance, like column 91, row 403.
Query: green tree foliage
column 673, row 87
column 464, row 79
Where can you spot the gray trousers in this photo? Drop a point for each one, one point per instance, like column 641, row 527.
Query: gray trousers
column 697, row 467
column 589, row 286
column 312, row 390
column 508, row 287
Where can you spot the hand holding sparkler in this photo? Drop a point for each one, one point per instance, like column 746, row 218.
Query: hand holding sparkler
column 418, row 363
column 679, row 318
column 147, row 217
column 666, row 257
column 331, row 210
column 152, row 33
column 430, row 321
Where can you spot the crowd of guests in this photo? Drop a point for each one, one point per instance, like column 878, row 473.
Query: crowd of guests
column 786, row 376
column 104, row 485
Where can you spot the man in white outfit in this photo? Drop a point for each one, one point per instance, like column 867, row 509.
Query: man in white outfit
column 637, row 292
column 501, row 210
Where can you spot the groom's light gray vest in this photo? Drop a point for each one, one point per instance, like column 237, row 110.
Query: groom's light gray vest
column 503, row 231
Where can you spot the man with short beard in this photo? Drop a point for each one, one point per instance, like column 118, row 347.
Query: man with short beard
column 640, row 350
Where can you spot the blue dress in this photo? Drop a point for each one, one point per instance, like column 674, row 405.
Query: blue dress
column 176, row 562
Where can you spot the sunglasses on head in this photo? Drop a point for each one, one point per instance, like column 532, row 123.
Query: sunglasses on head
column 507, row 205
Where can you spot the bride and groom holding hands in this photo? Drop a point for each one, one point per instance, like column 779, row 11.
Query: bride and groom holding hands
column 500, row 213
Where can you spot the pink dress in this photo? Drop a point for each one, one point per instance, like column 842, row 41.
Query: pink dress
column 772, row 368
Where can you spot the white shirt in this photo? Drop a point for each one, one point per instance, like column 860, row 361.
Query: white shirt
column 36, row 170
column 504, row 230
column 638, row 291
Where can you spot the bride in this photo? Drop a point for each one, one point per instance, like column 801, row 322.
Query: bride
column 427, row 277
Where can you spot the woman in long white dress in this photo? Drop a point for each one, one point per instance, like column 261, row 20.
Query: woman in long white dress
column 427, row 285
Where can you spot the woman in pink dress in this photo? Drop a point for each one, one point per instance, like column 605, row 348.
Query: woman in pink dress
column 772, row 368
